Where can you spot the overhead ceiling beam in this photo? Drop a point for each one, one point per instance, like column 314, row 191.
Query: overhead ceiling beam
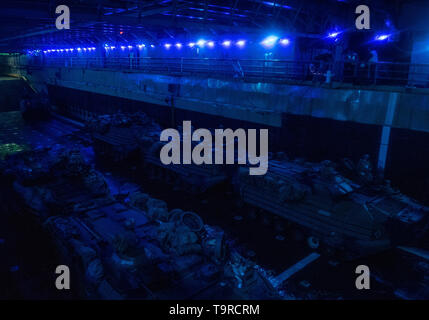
column 83, row 17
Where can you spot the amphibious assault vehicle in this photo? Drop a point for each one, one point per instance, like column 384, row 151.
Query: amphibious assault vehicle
column 135, row 136
column 356, row 217
column 134, row 248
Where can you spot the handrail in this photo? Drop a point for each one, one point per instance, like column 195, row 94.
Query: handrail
column 380, row 73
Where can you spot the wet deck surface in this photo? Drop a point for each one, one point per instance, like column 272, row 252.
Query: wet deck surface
column 28, row 257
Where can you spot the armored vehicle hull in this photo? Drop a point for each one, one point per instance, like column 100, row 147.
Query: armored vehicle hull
column 355, row 219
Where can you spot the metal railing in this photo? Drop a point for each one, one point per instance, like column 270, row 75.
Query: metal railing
column 381, row 73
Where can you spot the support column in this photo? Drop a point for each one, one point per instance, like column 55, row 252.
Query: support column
column 385, row 133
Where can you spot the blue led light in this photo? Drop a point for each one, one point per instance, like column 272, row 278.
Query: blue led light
column 274, row 4
column 191, row 44
column 210, row 44
column 284, row 42
column 178, row 45
column 333, row 35
column 226, row 43
column 201, row 43
column 270, row 41
column 241, row 43
column 381, row 37
column 167, row 45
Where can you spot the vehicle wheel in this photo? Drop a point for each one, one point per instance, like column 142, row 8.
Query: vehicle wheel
column 192, row 220
column 313, row 242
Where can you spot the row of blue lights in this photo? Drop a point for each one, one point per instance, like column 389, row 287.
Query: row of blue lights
column 87, row 49
column 268, row 43
column 271, row 41
column 379, row 37
column 200, row 43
